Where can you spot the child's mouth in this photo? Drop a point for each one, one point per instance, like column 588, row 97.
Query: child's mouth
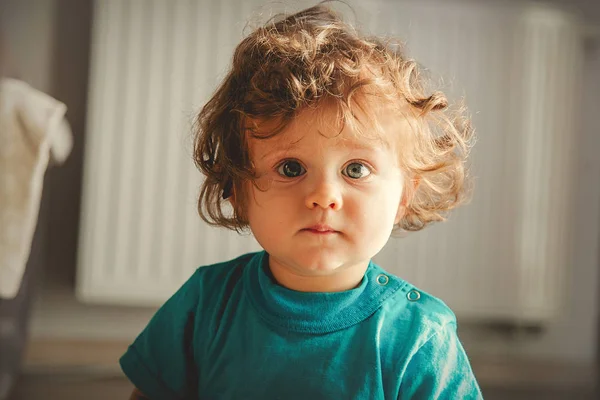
column 320, row 229
column 318, row 232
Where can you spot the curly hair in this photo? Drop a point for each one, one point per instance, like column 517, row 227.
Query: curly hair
column 300, row 61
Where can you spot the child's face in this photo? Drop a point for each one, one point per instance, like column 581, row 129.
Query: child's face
column 327, row 204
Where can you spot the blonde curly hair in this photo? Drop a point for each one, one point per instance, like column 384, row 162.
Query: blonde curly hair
column 301, row 61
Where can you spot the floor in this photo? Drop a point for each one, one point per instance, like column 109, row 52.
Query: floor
column 91, row 387
column 71, row 388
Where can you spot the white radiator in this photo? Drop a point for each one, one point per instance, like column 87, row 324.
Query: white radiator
column 155, row 62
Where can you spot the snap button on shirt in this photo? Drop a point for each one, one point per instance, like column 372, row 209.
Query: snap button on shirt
column 382, row 279
column 413, row 295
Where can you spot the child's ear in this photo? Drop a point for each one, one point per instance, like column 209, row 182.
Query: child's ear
column 227, row 189
column 407, row 196
column 229, row 193
column 232, row 198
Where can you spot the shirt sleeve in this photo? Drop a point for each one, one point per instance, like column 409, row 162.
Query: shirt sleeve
column 160, row 361
column 440, row 369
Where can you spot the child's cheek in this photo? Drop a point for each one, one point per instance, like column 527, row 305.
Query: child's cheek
column 264, row 182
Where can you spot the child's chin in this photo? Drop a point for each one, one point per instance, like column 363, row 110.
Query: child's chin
column 319, row 263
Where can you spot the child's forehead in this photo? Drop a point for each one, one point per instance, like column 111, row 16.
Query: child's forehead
column 373, row 128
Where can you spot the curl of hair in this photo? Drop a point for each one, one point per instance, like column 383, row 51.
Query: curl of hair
column 299, row 61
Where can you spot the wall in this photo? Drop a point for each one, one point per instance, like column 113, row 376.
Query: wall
column 574, row 336
column 28, row 27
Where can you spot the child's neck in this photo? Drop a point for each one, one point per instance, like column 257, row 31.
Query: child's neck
column 338, row 281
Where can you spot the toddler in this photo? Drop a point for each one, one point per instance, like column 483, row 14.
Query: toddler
column 321, row 142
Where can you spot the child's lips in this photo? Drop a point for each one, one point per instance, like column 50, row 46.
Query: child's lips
column 316, row 232
column 320, row 229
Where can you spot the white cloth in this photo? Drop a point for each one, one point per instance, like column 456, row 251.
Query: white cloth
column 32, row 127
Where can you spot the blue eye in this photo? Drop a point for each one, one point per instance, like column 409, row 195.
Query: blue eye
column 291, row 169
column 356, row 170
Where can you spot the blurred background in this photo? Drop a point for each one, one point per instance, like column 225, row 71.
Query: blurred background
column 117, row 230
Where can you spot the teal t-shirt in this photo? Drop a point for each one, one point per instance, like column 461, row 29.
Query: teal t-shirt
column 231, row 332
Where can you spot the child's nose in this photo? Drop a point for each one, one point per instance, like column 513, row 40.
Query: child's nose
column 325, row 194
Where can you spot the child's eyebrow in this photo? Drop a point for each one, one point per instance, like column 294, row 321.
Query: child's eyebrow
column 277, row 151
column 375, row 147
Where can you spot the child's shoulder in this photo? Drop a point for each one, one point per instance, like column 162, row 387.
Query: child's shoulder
column 222, row 273
column 427, row 307
column 209, row 280
column 421, row 308
column 415, row 316
column 216, row 270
